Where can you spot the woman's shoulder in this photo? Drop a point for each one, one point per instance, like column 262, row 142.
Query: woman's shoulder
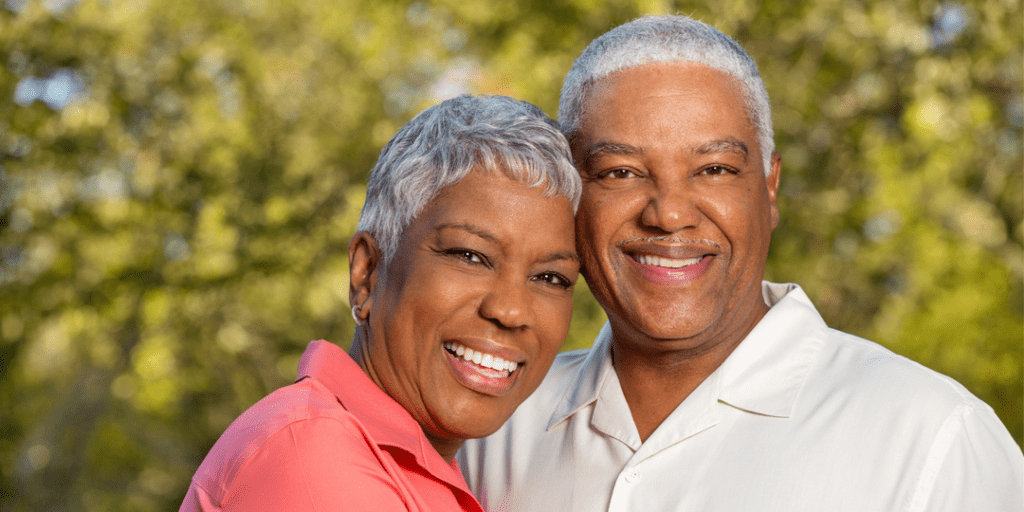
column 303, row 401
column 274, row 430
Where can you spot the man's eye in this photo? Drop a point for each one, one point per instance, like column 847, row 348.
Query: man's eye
column 619, row 174
column 715, row 170
column 554, row 279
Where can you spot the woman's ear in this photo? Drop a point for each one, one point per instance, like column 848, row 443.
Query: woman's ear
column 364, row 265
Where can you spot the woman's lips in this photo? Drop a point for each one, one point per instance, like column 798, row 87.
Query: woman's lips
column 480, row 371
column 481, row 358
column 664, row 271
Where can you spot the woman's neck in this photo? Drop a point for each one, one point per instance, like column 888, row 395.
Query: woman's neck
column 445, row 447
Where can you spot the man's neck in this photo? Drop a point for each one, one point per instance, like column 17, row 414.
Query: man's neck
column 654, row 388
column 655, row 381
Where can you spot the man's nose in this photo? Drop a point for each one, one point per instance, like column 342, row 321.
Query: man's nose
column 671, row 208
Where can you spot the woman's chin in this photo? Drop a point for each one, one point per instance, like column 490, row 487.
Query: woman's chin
column 473, row 420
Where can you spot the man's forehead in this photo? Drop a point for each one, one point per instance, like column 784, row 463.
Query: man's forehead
column 630, row 91
column 665, row 68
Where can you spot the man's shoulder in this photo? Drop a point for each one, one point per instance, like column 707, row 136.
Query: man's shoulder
column 860, row 370
column 569, row 362
column 563, row 376
column 891, row 411
column 848, row 367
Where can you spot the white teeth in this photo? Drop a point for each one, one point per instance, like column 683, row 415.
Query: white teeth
column 657, row 261
column 477, row 357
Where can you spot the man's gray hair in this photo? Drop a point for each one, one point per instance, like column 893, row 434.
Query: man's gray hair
column 653, row 39
column 444, row 143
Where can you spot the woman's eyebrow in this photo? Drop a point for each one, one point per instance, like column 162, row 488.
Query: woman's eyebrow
column 470, row 228
column 482, row 233
column 556, row 256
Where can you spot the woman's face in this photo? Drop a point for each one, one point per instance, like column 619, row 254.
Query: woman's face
column 474, row 306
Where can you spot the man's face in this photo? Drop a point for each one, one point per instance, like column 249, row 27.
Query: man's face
column 677, row 213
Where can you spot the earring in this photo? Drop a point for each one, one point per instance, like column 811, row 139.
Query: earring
column 355, row 315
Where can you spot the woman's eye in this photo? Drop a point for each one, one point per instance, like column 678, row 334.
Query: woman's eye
column 467, row 255
column 554, row 279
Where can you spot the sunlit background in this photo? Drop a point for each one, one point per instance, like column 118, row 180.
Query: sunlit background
column 179, row 181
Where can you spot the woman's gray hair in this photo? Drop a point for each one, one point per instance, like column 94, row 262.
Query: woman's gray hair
column 444, row 143
column 653, row 39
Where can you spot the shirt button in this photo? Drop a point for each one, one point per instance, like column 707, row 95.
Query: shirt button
column 633, row 476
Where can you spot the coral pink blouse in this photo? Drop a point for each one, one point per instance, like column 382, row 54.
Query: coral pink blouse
column 331, row 441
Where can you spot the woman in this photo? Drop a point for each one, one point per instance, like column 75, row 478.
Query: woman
column 461, row 279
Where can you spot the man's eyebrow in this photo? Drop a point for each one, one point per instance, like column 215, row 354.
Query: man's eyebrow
column 723, row 146
column 603, row 147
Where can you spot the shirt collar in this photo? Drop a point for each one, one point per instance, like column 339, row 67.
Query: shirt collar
column 387, row 422
column 595, row 370
column 765, row 372
column 763, row 375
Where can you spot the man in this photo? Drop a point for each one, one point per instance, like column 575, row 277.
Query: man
column 709, row 390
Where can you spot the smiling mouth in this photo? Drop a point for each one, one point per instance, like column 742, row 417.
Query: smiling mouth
column 480, row 358
column 658, row 261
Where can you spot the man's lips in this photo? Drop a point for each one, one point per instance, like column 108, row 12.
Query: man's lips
column 670, row 249
column 671, row 264
column 658, row 261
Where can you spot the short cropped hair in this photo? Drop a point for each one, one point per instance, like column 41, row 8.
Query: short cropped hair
column 444, row 143
column 654, row 39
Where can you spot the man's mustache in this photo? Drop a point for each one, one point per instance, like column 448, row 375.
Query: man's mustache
column 670, row 239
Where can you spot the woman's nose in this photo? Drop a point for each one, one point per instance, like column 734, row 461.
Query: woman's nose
column 507, row 304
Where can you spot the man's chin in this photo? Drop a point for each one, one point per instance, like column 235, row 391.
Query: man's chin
column 665, row 332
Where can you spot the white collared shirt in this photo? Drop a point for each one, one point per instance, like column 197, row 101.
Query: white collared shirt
column 800, row 417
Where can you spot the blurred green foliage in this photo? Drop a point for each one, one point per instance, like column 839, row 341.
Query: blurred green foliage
column 179, row 181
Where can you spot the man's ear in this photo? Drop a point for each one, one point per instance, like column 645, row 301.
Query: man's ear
column 772, row 180
column 364, row 266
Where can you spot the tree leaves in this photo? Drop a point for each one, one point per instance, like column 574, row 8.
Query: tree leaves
column 173, row 236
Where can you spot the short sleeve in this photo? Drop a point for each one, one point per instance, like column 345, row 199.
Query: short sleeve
column 197, row 500
column 318, row 464
column 974, row 464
